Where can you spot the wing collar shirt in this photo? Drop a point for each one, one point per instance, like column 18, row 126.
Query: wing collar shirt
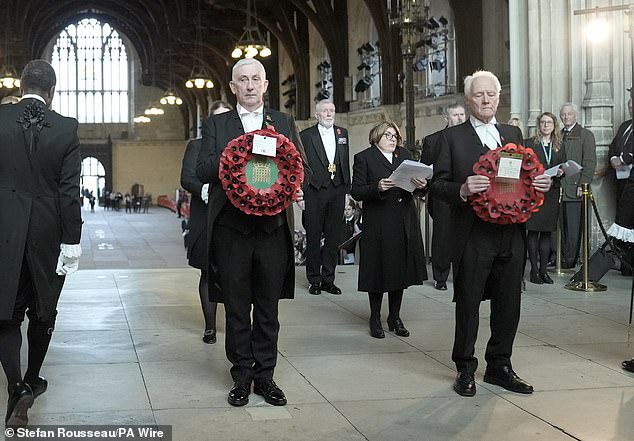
column 328, row 139
column 32, row 95
column 487, row 132
column 251, row 120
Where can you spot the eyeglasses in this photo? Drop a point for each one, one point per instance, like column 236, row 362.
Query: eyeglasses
column 391, row 136
column 546, row 122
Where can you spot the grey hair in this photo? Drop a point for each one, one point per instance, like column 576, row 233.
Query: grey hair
column 454, row 106
column 321, row 103
column 477, row 74
column 246, row 62
column 573, row 106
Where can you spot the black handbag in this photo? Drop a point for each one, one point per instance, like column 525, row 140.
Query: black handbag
column 602, row 261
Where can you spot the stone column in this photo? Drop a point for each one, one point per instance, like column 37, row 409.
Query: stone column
column 518, row 30
column 597, row 105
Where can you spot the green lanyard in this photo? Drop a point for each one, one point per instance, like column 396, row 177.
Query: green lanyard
column 548, row 154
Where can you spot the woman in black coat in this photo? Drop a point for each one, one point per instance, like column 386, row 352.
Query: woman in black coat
column 197, row 236
column 547, row 146
column 391, row 246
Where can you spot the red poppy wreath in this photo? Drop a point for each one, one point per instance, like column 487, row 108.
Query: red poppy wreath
column 257, row 184
column 508, row 202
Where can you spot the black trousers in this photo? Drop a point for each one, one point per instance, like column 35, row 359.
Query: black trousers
column 322, row 216
column 38, row 333
column 440, row 240
column 571, row 232
column 491, row 267
column 251, row 269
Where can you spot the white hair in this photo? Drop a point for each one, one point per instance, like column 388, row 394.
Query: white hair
column 478, row 74
column 321, row 103
column 571, row 105
column 246, row 62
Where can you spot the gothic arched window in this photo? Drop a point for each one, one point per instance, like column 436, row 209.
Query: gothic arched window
column 91, row 63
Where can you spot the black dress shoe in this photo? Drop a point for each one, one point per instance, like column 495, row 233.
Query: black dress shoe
column 209, row 336
column 239, row 394
column 536, row 279
column 546, row 278
column 376, row 330
column 331, row 288
column 270, row 391
column 465, row 384
column 314, row 289
column 441, row 286
column 37, row 386
column 628, row 365
column 397, row 326
column 20, row 401
column 508, row 379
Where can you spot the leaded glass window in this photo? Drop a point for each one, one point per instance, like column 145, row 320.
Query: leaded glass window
column 91, row 63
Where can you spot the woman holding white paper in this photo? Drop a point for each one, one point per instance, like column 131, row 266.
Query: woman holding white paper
column 391, row 245
column 547, row 146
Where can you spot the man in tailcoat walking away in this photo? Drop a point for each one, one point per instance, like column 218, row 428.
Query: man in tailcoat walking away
column 40, row 228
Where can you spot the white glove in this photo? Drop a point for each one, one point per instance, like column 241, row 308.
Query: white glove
column 68, row 260
column 204, row 193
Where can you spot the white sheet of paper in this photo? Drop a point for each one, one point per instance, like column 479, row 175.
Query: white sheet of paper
column 571, row 168
column 264, row 145
column 552, row 171
column 409, row 169
column 509, row 168
column 623, row 172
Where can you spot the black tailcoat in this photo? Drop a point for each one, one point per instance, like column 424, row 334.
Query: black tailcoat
column 39, row 202
column 325, row 198
column 218, row 131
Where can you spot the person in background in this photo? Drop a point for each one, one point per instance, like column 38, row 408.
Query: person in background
column 326, row 147
column 196, row 238
column 579, row 145
column 391, row 245
column 349, row 227
column 438, row 209
column 547, row 146
column 514, row 121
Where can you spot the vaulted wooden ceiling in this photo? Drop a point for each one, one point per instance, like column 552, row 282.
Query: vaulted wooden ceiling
column 164, row 31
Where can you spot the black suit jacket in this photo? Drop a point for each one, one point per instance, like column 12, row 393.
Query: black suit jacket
column 460, row 149
column 618, row 145
column 218, row 131
column 431, row 148
column 197, row 207
column 39, row 201
column 316, row 155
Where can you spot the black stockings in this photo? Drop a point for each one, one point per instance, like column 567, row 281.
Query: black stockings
column 209, row 308
column 394, row 304
column 538, row 250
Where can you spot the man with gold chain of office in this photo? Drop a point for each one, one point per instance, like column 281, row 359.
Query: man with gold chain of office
column 326, row 148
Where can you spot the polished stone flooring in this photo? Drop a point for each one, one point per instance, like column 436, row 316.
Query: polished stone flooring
column 128, row 350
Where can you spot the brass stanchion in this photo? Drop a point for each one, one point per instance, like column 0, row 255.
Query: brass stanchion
column 559, row 270
column 585, row 284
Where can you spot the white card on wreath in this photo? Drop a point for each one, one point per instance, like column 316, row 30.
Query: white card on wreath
column 264, row 145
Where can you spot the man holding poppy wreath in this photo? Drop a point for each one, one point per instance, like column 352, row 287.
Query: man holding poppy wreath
column 487, row 258
column 250, row 257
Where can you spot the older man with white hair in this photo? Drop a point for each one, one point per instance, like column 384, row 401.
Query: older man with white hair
column 487, row 258
column 579, row 145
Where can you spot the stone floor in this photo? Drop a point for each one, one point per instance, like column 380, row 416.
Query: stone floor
column 128, row 349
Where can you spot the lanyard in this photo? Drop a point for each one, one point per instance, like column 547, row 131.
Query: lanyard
column 548, row 155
